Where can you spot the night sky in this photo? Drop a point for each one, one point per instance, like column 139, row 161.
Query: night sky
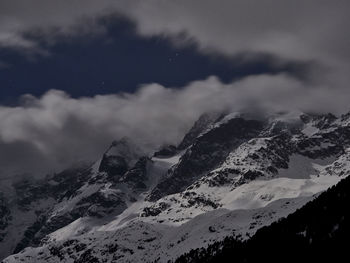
column 120, row 61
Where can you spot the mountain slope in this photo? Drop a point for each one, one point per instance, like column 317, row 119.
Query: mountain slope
column 230, row 175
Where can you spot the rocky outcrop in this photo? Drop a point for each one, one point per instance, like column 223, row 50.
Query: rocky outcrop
column 207, row 152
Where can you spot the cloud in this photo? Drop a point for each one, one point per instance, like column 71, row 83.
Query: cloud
column 293, row 28
column 296, row 29
column 54, row 131
column 314, row 30
column 50, row 17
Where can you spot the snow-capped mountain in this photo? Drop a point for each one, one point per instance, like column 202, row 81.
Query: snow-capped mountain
column 231, row 174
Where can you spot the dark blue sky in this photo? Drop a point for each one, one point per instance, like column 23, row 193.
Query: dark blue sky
column 119, row 61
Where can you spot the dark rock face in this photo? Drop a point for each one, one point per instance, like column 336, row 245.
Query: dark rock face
column 199, row 126
column 154, row 210
column 120, row 156
column 5, row 216
column 323, row 121
column 267, row 160
column 278, row 150
column 201, row 201
column 29, row 192
column 114, row 166
column 100, row 204
column 330, row 142
column 68, row 182
column 166, row 151
column 30, row 235
column 136, row 177
column 207, row 152
column 61, row 186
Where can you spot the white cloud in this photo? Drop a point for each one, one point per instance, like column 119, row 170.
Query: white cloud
column 55, row 130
